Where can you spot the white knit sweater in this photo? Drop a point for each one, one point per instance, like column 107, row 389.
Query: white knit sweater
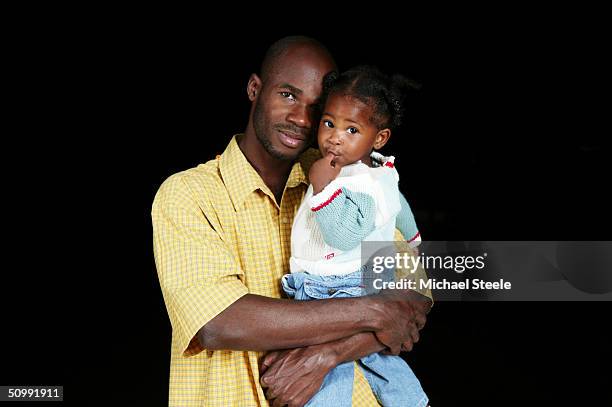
column 360, row 200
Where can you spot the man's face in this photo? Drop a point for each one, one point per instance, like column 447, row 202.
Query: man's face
column 285, row 109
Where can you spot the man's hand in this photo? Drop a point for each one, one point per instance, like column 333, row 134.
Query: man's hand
column 402, row 316
column 292, row 377
column 322, row 172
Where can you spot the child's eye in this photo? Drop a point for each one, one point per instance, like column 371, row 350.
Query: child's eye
column 352, row 130
column 328, row 123
column 288, row 95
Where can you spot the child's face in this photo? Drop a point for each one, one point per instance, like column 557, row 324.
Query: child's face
column 346, row 132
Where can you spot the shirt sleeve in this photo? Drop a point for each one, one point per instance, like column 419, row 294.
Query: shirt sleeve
column 198, row 274
column 345, row 217
column 406, row 223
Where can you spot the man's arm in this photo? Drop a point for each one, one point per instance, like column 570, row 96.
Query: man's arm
column 292, row 377
column 258, row 323
column 356, row 346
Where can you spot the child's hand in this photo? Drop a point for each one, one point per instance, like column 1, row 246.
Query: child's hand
column 322, row 172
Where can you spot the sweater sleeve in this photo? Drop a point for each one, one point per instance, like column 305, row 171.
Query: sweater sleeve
column 406, row 223
column 345, row 217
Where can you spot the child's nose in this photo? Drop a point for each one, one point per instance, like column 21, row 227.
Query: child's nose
column 336, row 137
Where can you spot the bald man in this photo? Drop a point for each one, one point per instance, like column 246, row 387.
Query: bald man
column 221, row 241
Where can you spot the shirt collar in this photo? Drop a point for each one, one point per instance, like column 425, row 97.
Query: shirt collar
column 241, row 179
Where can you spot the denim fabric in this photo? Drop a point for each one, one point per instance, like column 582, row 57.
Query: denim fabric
column 391, row 379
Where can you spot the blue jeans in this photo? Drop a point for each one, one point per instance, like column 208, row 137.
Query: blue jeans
column 391, row 379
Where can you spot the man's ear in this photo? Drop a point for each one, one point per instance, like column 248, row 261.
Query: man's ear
column 253, row 87
column 381, row 138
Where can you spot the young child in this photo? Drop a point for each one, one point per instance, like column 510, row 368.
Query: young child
column 353, row 196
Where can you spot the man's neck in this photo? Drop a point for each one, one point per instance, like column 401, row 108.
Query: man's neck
column 273, row 172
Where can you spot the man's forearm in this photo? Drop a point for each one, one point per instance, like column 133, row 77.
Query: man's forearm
column 363, row 344
column 258, row 323
column 355, row 347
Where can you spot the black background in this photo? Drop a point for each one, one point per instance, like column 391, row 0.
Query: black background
column 506, row 142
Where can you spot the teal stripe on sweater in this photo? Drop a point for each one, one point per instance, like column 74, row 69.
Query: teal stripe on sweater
column 405, row 221
column 347, row 220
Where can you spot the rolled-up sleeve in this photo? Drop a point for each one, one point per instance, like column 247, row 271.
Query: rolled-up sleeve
column 198, row 273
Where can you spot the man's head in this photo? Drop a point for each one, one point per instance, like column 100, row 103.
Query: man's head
column 285, row 95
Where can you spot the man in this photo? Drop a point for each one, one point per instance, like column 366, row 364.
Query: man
column 221, row 240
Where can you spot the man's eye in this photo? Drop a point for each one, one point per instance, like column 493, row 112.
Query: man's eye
column 328, row 123
column 352, row 130
column 288, row 95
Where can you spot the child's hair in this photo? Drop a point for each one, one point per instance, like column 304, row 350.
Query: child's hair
column 385, row 94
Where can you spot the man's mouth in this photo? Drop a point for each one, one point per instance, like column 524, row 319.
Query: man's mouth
column 290, row 139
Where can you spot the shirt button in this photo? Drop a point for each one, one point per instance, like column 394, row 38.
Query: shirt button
column 285, row 219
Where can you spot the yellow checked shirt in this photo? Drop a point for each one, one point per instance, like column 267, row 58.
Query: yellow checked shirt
column 218, row 235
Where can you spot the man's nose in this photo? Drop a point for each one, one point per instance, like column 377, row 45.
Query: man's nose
column 300, row 116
